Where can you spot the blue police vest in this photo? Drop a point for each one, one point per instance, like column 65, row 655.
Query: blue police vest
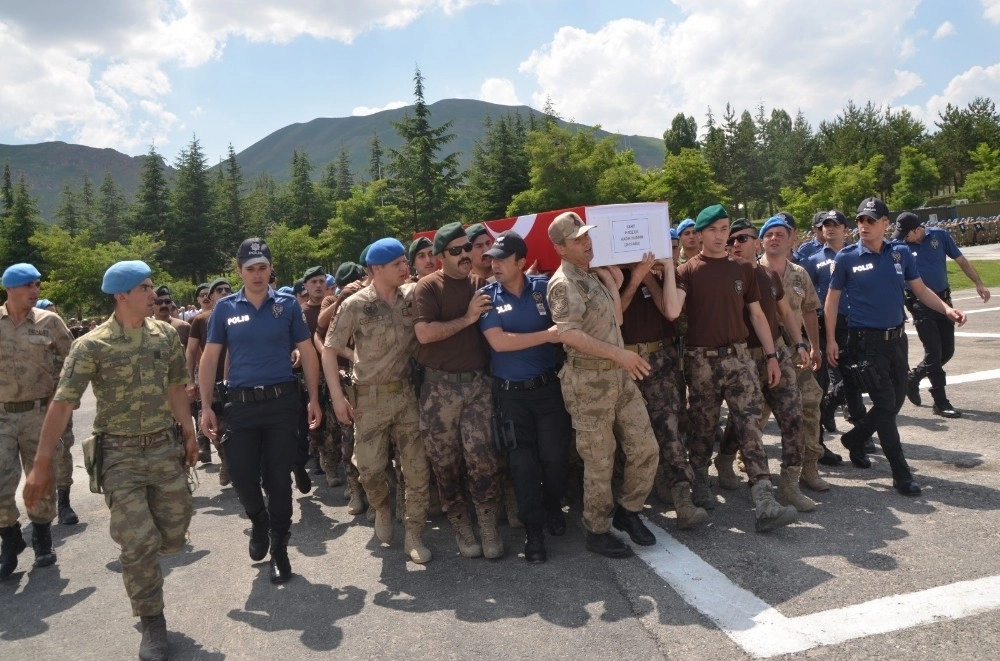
column 527, row 313
column 874, row 282
column 930, row 255
column 819, row 266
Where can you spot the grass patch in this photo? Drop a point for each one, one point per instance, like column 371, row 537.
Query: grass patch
column 988, row 269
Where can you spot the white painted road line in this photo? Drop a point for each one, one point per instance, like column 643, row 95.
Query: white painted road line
column 963, row 334
column 971, row 377
column 968, row 312
column 763, row 632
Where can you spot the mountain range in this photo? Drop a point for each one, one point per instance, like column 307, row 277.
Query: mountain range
column 49, row 166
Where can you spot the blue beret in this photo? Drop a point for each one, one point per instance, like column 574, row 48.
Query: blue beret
column 286, row 290
column 775, row 221
column 330, row 280
column 685, row 224
column 673, row 233
column 43, row 304
column 384, row 251
column 18, row 275
column 123, row 276
column 710, row 215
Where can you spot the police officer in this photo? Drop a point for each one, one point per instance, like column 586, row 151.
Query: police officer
column 518, row 327
column 35, row 342
column 197, row 335
column 814, row 244
column 455, row 400
column 873, row 273
column 936, row 332
column 715, row 288
column 421, row 256
column 603, row 401
column 258, row 326
column 378, row 320
column 135, row 366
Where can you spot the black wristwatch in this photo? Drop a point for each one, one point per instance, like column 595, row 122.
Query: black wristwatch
column 802, row 345
column 769, row 356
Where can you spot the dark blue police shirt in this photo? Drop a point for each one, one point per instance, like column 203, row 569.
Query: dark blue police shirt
column 875, row 283
column 819, row 266
column 258, row 340
column 804, row 251
column 930, row 254
column 527, row 313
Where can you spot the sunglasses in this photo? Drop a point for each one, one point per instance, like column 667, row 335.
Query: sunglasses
column 741, row 238
column 164, row 301
column 222, row 290
column 865, row 220
column 458, row 250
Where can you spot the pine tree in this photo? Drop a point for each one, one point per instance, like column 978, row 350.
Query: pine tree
column 376, row 170
column 152, row 199
column 303, row 204
column 192, row 250
column 230, row 205
column 88, row 204
column 345, row 180
column 112, row 222
column 19, row 225
column 68, row 212
column 6, row 193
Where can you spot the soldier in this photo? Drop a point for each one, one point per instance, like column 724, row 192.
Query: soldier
column 528, row 398
column 717, row 364
column 603, row 401
column 872, row 273
column 936, row 332
column 162, row 307
column 219, row 288
column 482, row 241
column 324, row 441
column 455, row 400
column 689, row 239
column 421, row 256
column 382, row 405
column 34, row 342
column 646, row 331
column 258, row 326
column 135, row 366
column 802, row 301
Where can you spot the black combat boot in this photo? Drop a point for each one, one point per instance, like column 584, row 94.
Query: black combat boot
column 41, row 542
column 67, row 516
column 11, row 545
column 281, row 567
column 534, row 545
column 258, row 535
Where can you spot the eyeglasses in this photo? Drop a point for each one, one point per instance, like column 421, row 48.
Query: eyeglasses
column 222, row 290
column 458, row 250
column 163, row 301
column 741, row 238
column 865, row 220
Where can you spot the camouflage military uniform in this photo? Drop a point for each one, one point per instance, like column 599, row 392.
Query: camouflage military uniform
column 604, row 403
column 30, row 354
column 64, row 458
column 385, row 408
column 665, row 403
column 145, row 487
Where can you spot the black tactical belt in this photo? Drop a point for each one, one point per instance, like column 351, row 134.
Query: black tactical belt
column 879, row 333
column 530, row 384
column 112, row 441
column 394, row 386
column 714, row 352
column 262, row 393
column 22, row 407
column 431, row 375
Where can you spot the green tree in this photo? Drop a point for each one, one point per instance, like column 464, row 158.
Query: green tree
column 960, row 132
column 682, row 134
column 293, row 250
column 918, row 177
column 500, row 168
column 263, row 206
column 685, row 182
column 112, row 222
column 363, row 218
column 302, row 202
column 6, row 192
column 192, row 250
column 152, row 198
column 88, row 205
column 983, row 183
column 376, row 168
column 68, row 212
column 230, row 214
column 424, row 184
column 18, row 227
column 837, row 187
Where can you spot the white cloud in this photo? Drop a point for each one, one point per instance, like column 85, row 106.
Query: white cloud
column 991, row 10
column 634, row 76
column 361, row 111
column 946, row 29
column 96, row 72
column 962, row 89
column 907, row 48
column 499, row 90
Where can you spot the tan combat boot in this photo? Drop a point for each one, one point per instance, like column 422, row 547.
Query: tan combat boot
column 701, row 489
column 688, row 516
column 383, row 523
column 492, row 544
column 768, row 513
column 789, row 493
column 414, row 545
column 357, row 503
column 727, row 476
column 464, row 535
column 810, row 476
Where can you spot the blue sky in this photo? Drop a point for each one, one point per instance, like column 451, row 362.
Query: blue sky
column 125, row 73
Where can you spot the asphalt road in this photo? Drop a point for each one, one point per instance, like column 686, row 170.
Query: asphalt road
column 356, row 599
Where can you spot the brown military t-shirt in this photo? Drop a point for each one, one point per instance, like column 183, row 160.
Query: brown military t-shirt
column 198, row 332
column 183, row 329
column 771, row 291
column 642, row 321
column 579, row 300
column 717, row 290
column 382, row 334
column 441, row 298
column 31, row 354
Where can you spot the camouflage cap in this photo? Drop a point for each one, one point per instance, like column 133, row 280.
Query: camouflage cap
column 567, row 225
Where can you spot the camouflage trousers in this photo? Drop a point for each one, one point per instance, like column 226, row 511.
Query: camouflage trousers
column 390, row 419
column 455, row 426
column 664, row 404
column 812, row 399
column 786, row 403
column 343, row 436
column 147, row 492
column 732, row 378
column 63, row 466
column 608, row 414
column 18, row 443
column 325, row 442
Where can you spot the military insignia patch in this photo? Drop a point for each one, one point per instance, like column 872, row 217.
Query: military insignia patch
column 774, row 292
column 559, row 300
column 799, row 291
column 738, row 285
column 370, row 309
column 276, row 310
column 537, row 296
